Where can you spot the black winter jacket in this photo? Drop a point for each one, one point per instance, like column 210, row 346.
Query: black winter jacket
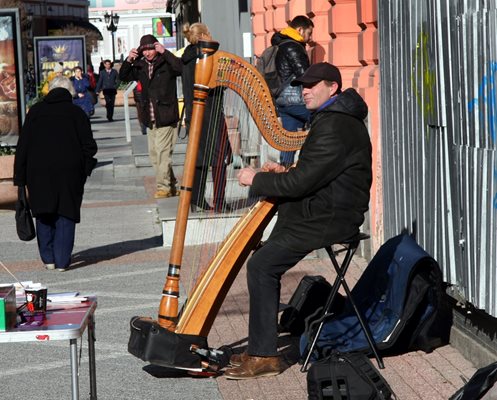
column 291, row 63
column 54, row 155
column 160, row 89
column 323, row 199
column 291, row 58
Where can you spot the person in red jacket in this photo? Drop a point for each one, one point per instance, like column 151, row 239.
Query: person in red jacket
column 137, row 95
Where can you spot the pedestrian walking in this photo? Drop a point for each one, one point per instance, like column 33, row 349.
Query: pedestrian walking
column 54, row 156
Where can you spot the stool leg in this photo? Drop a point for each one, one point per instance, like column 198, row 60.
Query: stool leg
column 365, row 327
column 334, row 291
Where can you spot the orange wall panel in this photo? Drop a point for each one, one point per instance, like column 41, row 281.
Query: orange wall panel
column 344, row 18
column 280, row 18
column 295, row 8
column 259, row 43
column 368, row 47
column 367, row 11
column 316, row 7
column 258, row 6
column 344, row 50
column 323, row 33
column 268, row 21
column 258, row 24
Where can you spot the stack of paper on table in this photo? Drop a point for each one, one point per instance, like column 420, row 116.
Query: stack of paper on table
column 66, row 297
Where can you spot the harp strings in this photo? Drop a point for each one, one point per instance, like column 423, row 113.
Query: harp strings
column 242, row 103
column 218, row 175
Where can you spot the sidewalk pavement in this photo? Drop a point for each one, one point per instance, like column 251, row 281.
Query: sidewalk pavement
column 118, row 257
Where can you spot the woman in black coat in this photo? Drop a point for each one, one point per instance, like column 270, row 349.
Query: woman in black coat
column 214, row 147
column 54, row 156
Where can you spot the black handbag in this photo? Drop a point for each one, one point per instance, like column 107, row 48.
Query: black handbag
column 24, row 221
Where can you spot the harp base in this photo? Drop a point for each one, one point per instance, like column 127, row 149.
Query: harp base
column 150, row 342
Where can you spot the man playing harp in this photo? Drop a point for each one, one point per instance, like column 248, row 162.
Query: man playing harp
column 321, row 200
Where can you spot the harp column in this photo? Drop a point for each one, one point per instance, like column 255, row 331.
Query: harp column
column 168, row 309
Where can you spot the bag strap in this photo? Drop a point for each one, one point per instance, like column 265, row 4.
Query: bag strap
column 334, row 356
column 21, row 196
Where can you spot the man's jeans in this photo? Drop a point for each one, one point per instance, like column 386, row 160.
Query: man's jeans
column 293, row 118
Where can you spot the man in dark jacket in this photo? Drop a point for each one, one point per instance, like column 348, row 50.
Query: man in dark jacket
column 108, row 83
column 322, row 200
column 54, row 156
column 156, row 69
column 291, row 62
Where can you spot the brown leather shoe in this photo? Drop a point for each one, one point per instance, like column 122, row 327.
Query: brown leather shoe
column 237, row 359
column 164, row 194
column 255, row 367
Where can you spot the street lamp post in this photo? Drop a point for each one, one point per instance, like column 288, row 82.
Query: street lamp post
column 112, row 20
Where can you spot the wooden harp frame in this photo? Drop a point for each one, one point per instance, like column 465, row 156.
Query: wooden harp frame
column 217, row 68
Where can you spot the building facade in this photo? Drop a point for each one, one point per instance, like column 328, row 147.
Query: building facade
column 136, row 18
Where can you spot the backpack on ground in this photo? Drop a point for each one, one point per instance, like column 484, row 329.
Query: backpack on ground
column 309, row 297
column 481, row 386
column 349, row 376
column 266, row 65
column 400, row 296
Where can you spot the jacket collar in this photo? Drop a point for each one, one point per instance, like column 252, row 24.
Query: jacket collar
column 292, row 33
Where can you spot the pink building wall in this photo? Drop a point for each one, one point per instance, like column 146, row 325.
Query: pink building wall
column 345, row 34
column 126, row 5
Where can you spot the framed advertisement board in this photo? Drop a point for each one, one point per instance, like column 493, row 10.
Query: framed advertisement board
column 11, row 78
column 162, row 27
column 52, row 50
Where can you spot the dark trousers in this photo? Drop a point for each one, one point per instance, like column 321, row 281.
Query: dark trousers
column 264, row 271
column 219, row 182
column 110, row 100
column 55, row 235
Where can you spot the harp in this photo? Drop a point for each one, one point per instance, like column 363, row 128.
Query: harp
column 213, row 69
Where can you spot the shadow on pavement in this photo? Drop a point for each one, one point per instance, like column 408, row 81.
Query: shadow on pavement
column 114, row 250
column 164, row 372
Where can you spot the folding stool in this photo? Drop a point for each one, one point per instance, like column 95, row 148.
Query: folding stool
column 350, row 246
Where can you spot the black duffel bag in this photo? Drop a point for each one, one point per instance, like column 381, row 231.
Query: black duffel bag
column 152, row 343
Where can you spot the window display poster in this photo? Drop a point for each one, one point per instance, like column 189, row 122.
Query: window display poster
column 164, row 30
column 52, row 50
column 162, row 27
column 11, row 82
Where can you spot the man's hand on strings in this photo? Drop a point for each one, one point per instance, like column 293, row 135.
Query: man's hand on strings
column 246, row 176
column 271, row 166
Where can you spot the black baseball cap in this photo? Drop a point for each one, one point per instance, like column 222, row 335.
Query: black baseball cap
column 322, row 71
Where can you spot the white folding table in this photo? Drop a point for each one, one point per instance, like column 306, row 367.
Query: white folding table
column 63, row 321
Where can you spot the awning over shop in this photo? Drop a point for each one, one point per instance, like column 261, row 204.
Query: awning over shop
column 53, row 24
